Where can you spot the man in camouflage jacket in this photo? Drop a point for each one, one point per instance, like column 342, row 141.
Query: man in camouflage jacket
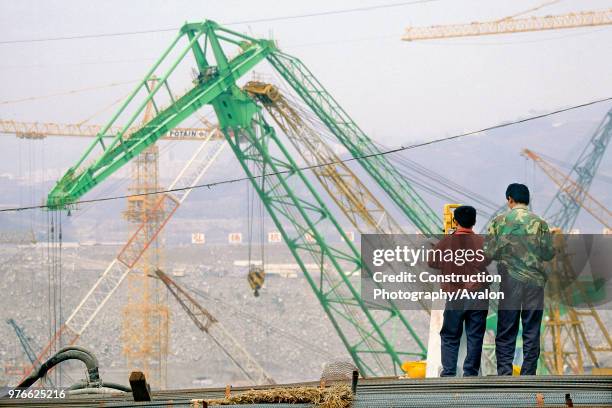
column 521, row 243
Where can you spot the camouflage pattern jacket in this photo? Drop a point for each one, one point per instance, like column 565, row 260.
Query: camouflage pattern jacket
column 521, row 243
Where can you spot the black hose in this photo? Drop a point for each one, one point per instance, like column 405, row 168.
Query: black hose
column 84, row 350
column 67, row 353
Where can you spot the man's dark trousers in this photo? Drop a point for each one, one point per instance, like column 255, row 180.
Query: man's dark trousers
column 522, row 301
column 456, row 314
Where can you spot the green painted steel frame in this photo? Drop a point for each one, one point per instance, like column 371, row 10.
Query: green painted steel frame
column 365, row 333
column 122, row 148
column 563, row 210
column 357, row 142
column 300, row 222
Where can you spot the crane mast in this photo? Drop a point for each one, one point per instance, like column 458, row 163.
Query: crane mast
column 146, row 314
column 573, row 194
column 134, row 249
column 569, row 331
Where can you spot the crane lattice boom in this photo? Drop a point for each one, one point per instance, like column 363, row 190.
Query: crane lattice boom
column 116, row 272
column 361, row 207
column 207, row 323
column 510, row 25
column 41, row 130
column 359, row 144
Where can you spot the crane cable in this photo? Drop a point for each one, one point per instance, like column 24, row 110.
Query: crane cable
column 54, row 281
column 255, row 273
column 444, row 181
column 70, row 92
column 529, row 10
column 322, row 130
column 103, row 109
column 446, row 186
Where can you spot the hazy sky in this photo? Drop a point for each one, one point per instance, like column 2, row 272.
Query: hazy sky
column 397, row 91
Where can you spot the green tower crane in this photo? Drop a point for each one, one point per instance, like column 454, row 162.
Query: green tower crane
column 563, row 210
column 377, row 340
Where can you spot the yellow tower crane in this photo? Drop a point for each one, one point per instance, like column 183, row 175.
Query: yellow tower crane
column 145, row 315
column 512, row 24
column 42, row 130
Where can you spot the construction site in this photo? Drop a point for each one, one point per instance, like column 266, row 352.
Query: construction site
column 187, row 189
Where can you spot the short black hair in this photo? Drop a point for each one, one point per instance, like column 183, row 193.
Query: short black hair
column 465, row 216
column 518, row 192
